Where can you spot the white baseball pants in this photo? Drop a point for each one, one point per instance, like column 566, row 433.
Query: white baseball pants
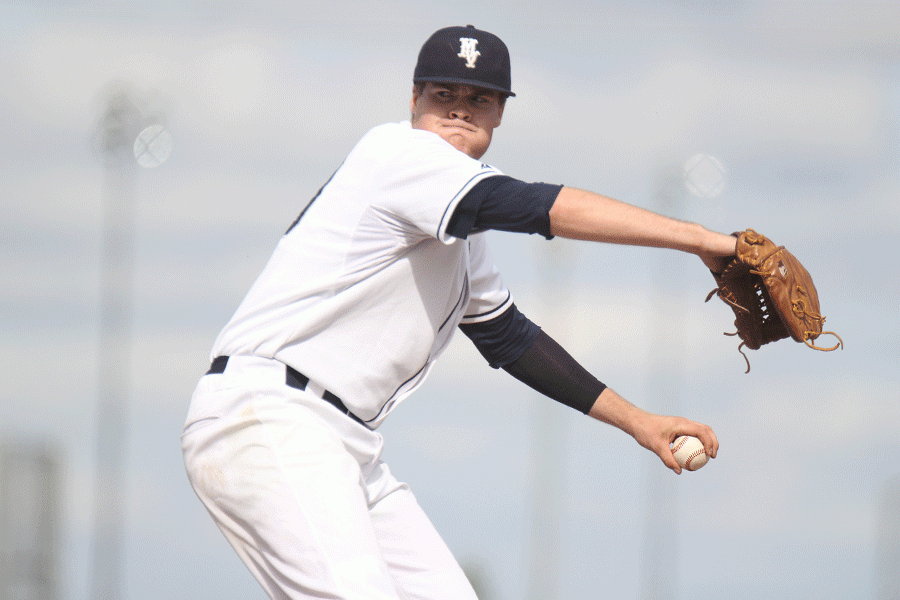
column 300, row 492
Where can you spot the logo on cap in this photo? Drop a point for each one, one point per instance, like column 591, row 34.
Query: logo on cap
column 467, row 51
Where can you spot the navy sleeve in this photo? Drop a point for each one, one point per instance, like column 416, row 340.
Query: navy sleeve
column 547, row 368
column 505, row 204
column 518, row 346
column 503, row 339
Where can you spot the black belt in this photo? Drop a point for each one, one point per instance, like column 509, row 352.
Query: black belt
column 295, row 379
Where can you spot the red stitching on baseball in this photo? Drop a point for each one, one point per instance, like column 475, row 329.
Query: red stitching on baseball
column 687, row 463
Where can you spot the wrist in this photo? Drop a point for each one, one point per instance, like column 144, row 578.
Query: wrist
column 718, row 244
column 613, row 409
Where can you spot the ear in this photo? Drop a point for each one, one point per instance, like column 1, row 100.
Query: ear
column 413, row 100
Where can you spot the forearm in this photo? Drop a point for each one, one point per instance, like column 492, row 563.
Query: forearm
column 582, row 215
column 613, row 409
column 547, row 368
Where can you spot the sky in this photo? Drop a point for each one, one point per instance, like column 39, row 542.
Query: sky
column 779, row 116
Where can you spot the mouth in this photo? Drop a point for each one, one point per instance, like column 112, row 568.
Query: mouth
column 460, row 126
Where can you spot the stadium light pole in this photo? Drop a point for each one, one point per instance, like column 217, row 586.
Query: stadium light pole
column 131, row 134
column 661, row 528
column 548, row 460
column 701, row 177
column 119, row 125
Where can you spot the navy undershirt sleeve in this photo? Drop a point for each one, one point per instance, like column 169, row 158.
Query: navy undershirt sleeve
column 518, row 346
column 503, row 339
column 504, row 204
column 547, row 368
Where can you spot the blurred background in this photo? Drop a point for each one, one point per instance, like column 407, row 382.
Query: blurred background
column 153, row 152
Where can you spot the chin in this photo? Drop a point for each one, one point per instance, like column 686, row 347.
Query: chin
column 470, row 152
column 459, row 143
column 474, row 148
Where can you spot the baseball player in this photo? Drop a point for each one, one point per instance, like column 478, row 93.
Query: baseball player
column 360, row 297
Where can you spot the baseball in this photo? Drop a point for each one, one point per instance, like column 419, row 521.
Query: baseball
column 689, row 452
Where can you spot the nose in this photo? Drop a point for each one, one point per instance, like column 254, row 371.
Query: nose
column 460, row 111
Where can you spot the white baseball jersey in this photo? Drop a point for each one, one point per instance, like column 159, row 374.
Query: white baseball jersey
column 365, row 291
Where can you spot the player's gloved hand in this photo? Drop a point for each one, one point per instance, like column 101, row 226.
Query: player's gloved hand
column 716, row 259
column 772, row 295
column 716, row 264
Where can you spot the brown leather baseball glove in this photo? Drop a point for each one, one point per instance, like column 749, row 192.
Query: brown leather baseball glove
column 771, row 294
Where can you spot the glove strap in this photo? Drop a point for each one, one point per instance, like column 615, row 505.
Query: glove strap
column 811, row 342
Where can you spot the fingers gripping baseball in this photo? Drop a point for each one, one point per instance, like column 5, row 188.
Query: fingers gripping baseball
column 661, row 431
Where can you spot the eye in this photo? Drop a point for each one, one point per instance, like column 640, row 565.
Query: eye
column 484, row 101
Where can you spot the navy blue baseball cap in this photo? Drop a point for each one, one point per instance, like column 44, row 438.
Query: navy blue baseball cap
column 465, row 55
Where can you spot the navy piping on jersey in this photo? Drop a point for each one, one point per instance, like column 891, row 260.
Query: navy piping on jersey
column 390, row 400
column 504, row 204
column 459, row 300
column 502, row 306
column 444, row 216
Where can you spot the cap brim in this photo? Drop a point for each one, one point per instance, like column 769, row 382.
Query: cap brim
column 464, row 81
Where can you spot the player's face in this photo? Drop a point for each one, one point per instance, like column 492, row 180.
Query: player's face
column 463, row 115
